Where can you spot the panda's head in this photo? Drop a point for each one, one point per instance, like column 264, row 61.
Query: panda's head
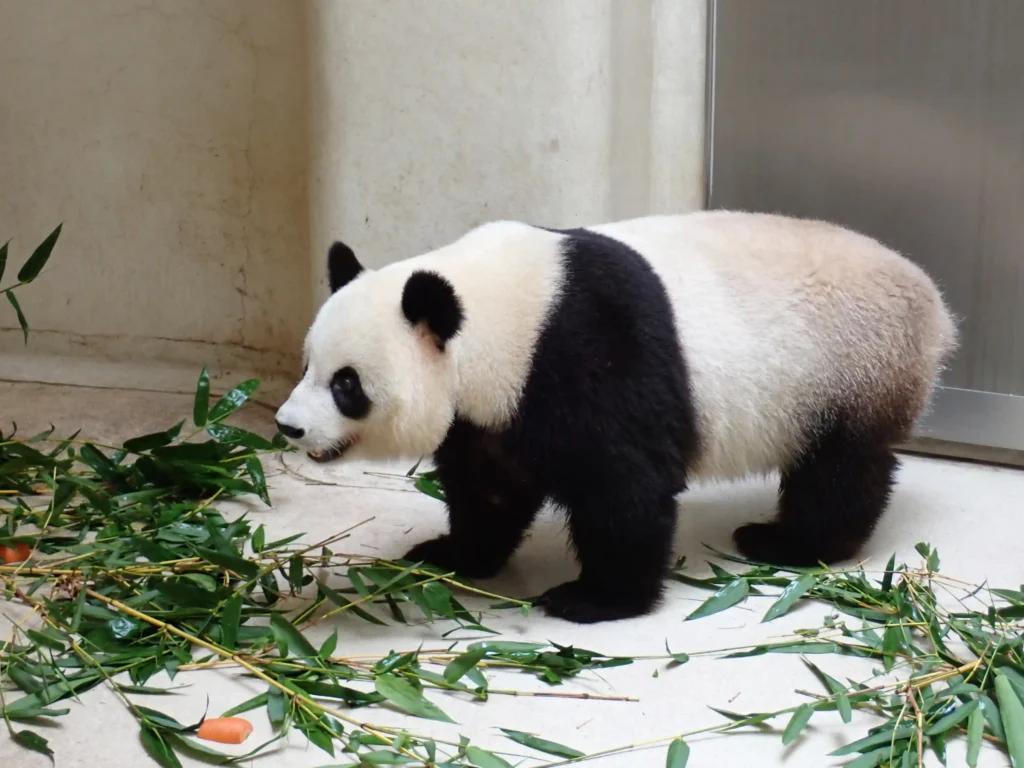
column 379, row 380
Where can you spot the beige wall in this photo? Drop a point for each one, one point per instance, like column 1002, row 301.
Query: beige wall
column 203, row 154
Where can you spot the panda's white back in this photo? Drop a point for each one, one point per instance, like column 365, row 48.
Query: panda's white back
column 780, row 319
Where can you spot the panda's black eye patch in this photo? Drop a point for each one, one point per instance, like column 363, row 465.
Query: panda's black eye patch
column 348, row 394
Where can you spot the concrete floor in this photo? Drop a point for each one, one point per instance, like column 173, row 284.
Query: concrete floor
column 970, row 513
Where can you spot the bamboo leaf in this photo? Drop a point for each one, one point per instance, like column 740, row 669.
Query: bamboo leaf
column 481, row 758
column 231, row 620
column 159, row 749
column 201, row 406
column 678, row 754
column 13, row 301
column 460, row 665
column 233, row 400
column 405, row 697
column 955, row 717
column 328, row 647
column 732, row 593
column 30, row 269
column 542, row 745
column 242, row 567
column 975, row 730
column 3, row 258
column 287, row 635
column 797, row 723
column 33, row 741
column 1012, row 711
column 153, row 440
column 796, row 589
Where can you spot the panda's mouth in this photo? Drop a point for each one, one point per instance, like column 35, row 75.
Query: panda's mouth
column 336, row 451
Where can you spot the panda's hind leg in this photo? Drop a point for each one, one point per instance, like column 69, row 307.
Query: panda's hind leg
column 830, row 498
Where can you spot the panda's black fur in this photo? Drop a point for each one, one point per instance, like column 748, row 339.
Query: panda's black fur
column 604, row 429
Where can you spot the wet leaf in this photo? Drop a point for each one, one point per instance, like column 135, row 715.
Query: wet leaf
column 233, row 400
column 796, row 589
column 732, row 593
column 154, row 439
column 201, row 406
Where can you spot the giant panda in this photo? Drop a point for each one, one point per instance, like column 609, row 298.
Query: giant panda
column 604, row 369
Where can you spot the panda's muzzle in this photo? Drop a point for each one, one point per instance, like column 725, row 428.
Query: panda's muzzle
column 336, row 451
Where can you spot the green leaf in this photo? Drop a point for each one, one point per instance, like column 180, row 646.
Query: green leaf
column 30, row 269
column 153, row 440
column 33, row 741
column 542, row 745
column 201, row 406
column 889, row 572
column 259, row 538
column 732, row 593
column 843, row 705
column 678, row 659
column 955, row 717
column 1012, row 711
column 233, row 400
column 797, row 723
column 481, row 758
column 159, row 749
column 160, row 720
column 285, row 631
column 870, row 759
column 260, row 700
column 975, row 730
column 277, row 707
column 231, row 619
column 460, row 665
column 796, row 589
column 882, row 737
column 403, row 695
column 678, row 754
column 19, row 314
column 3, row 258
column 329, row 645
column 225, row 433
column 246, row 568
column 258, row 477
column 341, row 601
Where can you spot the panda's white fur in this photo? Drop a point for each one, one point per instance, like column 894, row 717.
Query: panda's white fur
column 778, row 318
column 607, row 368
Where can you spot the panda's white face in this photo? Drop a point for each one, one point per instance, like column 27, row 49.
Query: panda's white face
column 378, row 383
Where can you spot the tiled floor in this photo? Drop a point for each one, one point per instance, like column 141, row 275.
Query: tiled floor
column 972, row 514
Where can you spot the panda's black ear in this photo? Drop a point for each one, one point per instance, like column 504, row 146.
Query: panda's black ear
column 430, row 300
column 342, row 266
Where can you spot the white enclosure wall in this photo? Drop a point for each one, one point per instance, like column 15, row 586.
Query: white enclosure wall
column 202, row 155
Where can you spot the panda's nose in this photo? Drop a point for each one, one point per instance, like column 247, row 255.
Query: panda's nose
column 289, row 431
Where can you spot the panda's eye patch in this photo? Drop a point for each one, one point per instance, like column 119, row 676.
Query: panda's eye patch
column 348, row 394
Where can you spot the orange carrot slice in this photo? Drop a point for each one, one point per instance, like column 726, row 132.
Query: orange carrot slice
column 225, row 730
column 17, row 554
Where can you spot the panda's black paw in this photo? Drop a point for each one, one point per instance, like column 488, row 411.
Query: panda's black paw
column 449, row 554
column 573, row 601
column 774, row 544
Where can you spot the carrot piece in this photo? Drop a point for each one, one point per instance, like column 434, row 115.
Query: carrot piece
column 225, row 730
column 16, row 554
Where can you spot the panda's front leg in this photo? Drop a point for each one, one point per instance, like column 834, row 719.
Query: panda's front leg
column 489, row 507
column 624, row 543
